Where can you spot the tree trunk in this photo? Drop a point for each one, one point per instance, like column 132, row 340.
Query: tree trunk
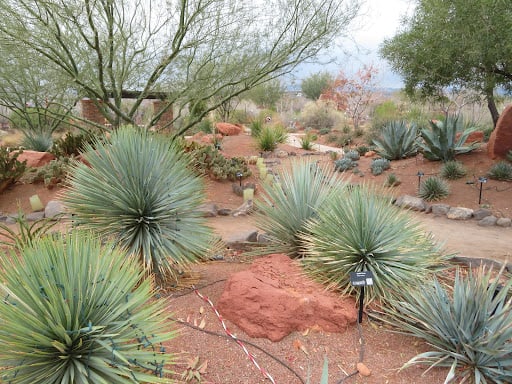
column 491, row 104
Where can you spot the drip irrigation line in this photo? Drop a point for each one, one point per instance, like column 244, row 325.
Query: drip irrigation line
column 192, row 289
column 361, row 354
column 242, row 340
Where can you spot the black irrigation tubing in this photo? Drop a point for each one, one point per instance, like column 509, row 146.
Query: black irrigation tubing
column 243, row 341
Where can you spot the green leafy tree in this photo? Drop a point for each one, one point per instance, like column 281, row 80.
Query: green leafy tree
column 459, row 43
column 313, row 86
column 266, row 95
column 175, row 50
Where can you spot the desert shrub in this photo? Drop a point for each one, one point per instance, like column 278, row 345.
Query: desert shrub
column 256, row 126
column 270, row 136
column 509, row 155
column 392, row 180
column 384, row 113
column 307, row 141
column 433, row 188
column 500, row 171
column 206, row 160
column 139, row 190
column 360, row 230
column 468, row 328
column 344, row 164
column 287, row 205
column 324, row 131
column 51, row 174
column 352, row 155
column 453, row 170
column 11, row 169
column 441, row 142
column 75, row 311
column 37, row 141
column 71, row 144
column 239, row 116
column 379, row 165
column 205, row 125
column 319, row 115
column 362, row 149
column 397, row 141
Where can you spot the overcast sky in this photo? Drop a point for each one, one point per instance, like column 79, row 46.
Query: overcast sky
column 380, row 19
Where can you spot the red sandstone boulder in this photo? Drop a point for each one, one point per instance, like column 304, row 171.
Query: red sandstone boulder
column 473, row 137
column 274, row 298
column 500, row 141
column 35, row 159
column 227, row 129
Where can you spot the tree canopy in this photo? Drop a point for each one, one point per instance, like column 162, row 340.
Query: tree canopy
column 314, row 85
column 457, row 43
column 188, row 50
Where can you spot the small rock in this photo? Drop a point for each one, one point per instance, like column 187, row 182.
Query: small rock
column 369, row 154
column 224, row 212
column 459, row 213
column 54, row 208
column 363, row 369
column 281, row 154
column 480, row 213
column 253, row 237
column 244, row 209
column 34, row 216
column 488, row 221
column 440, row 209
column 35, row 158
column 208, row 210
column 504, row 222
column 410, row 202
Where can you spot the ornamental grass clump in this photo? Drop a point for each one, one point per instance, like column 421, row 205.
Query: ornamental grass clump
column 138, row 190
column 76, row 311
column 286, row 206
column 453, row 170
column 360, row 230
column 500, row 171
column 467, row 328
column 433, row 189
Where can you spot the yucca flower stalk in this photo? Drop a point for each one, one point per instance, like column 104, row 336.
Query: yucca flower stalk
column 469, row 328
column 76, row 311
column 137, row 190
column 360, row 230
column 286, row 205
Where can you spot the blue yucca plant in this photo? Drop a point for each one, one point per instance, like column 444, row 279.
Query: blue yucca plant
column 76, row 311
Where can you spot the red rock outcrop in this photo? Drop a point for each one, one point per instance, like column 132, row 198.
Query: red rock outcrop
column 35, row 158
column 500, row 141
column 228, row 129
column 274, row 298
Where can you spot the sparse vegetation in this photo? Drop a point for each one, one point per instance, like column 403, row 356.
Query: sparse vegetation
column 501, row 171
column 433, row 188
column 453, row 170
column 11, row 169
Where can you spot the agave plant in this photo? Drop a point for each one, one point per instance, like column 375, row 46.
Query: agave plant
column 138, row 190
column 445, row 139
column 397, row 141
column 469, row 329
column 74, row 311
column 360, row 231
column 286, row 206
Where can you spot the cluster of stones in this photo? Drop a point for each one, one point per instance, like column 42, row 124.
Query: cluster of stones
column 53, row 209
column 484, row 217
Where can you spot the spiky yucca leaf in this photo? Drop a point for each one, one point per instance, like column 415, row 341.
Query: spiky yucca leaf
column 469, row 329
column 361, row 231
column 397, row 141
column 286, row 206
column 138, row 190
column 74, row 311
column 433, row 188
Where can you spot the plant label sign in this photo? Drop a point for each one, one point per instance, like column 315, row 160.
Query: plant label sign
column 361, row 279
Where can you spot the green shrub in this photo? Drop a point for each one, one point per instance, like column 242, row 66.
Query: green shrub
column 359, row 230
column 11, row 169
column 208, row 161
column 256, row 126
column 500, row 171
column 379, row 165
column 453, row 170
column 362, row 149
column 270, row 136
column 384, row 113
column 440, row 141
column 344, row 164
column 287, row 205
column 509, row 155
column 397, row 141
column 71, row 144
column 468, row 328
column 139, row 190
column 307, row 141
column 319, row 115
column 433, row 189
column 74, row 311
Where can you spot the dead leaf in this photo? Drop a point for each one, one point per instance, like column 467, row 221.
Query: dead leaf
column 306, row 332
column 202, row 324
column 201, row 309
column 202, row 367
column 298, row 345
